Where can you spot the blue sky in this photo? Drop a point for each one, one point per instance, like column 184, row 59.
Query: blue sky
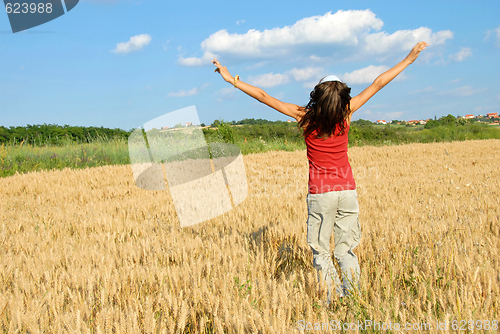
column 122, row 63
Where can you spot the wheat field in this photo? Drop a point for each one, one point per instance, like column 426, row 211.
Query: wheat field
column 86, row 251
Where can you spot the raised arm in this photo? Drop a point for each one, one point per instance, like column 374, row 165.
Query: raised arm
column 386, row 77
column 260, row 95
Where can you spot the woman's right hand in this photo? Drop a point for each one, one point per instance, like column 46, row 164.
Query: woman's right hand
column 416, row 51
column 223, row 71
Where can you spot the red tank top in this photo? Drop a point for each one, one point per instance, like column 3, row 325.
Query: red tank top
column 329, row 168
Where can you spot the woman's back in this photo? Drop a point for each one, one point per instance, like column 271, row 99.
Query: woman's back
column 329, row 167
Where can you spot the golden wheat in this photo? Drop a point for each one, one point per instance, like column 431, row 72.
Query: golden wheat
column 86, row 251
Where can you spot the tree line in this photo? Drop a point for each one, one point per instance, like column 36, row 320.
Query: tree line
column 249, row 129
column 52, row 134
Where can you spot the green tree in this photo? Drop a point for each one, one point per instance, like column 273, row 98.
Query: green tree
column 431, row 124
column 225, row 132
column 362, row 122
column 449, row 120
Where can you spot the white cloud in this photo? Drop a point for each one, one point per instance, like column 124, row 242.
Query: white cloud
column 317, row 59
column 312, row 75
column 303, row 74
column 455, row 81
column 191, row 92
column 461, row 91
column 403, row 40
column 298, row 74
column 462, row 54
column 240, row 22
column 350, row 32
column 193, row 61
column 165, row 45
column 269, row 80
column 487, row 109
column 495, row 33
column 364, row 75
column 184, row 93
column 227, row 93
column 387, row 116
column 392, row 115
column 256, row 65
column 310, row 84
column 425, row 90
column 135, row 43
column 342, row 27
column 280, row 96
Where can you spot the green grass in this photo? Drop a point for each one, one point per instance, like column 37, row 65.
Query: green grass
column 26, row 158
column 22, row 158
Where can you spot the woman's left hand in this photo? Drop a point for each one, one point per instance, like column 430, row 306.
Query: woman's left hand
column 223, row 71
column 416, row 51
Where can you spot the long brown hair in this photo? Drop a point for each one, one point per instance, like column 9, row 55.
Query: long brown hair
column 329, row 106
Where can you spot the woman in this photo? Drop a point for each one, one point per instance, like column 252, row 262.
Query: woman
column 332, row 199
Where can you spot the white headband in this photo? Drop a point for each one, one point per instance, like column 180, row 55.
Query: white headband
column 330, row 78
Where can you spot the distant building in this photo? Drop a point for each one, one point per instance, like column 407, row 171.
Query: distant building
column 492, row 115
column 469, row 116
column 189, row 124
column 381, row 121
column 413, row 121
column 164, row 128
column 423, row 121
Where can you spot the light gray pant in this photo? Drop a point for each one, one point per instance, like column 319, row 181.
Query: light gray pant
column 337, row 212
